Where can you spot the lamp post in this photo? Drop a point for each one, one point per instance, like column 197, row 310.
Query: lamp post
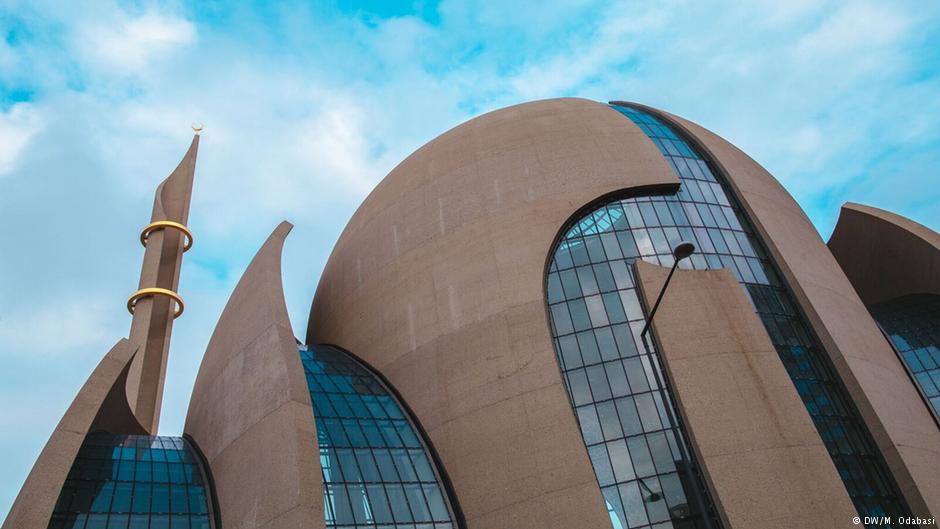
column 682, row 250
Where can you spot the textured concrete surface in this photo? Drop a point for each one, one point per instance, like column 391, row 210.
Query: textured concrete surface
column 438, row 282
column 900, row 424
column 99, row 405
column 152, row 323
column 251, row 414
column 765, row 464
column 885, row 255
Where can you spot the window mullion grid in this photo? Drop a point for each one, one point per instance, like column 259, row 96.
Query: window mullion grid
column 669, row 425
column 381, row 484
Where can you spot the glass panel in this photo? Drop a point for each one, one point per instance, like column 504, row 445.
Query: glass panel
column 125, row 481
column 380, row 474
column 913, row 324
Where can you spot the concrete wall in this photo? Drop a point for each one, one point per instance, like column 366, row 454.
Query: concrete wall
column 885, row 255
column 438, row 282
column 764, row 462
column 101, row 404
column 900, row 424
column 250, row 413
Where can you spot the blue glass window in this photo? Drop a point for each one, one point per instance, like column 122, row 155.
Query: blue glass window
column 704, row 212
column 913, row 324
column 638, row 450
column 376, row 468
column 134, row 482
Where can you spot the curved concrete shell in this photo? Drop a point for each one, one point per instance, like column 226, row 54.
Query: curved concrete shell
column 100, row 405
column 901, row 426
column 438, row 282
column 250, row 412
column 884, row 254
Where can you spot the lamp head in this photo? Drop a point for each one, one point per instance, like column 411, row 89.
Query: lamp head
column 653, row 497
column 683, row 250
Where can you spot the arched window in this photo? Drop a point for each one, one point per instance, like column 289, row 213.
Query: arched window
column 377, row 471
column 612, row 377
column 135, row 481
column 636, row 446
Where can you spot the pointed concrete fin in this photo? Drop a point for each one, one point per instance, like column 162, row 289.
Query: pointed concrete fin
column 173, row 196
column 901, row 222
column 257, row 301
column 885, row 255
column 250, row 413
column 102, row 394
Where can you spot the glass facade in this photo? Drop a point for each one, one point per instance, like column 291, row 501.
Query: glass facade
column 134, row 482
column 377, row 473
column 612, row 381
column 705, row 213
column 913, row 324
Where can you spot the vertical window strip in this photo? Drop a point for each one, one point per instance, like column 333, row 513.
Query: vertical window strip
column 726, row 239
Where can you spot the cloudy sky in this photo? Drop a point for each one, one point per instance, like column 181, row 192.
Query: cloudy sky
column 307, row 105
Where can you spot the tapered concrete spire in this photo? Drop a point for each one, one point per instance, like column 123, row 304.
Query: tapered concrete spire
column 166, row 238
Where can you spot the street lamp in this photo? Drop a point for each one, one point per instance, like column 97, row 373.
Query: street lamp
column 680, row 252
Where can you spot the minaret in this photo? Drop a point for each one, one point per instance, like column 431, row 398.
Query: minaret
column 156, row 304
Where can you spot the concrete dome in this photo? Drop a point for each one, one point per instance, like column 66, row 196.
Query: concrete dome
column 438, row 283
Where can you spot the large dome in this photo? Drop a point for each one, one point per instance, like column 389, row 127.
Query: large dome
column 439, row 282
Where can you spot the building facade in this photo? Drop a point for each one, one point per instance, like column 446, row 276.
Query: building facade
column 480, row 353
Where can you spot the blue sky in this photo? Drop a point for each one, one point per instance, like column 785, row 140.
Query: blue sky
column 308, row 105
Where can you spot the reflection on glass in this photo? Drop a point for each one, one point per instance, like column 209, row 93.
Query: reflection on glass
column 913, row 324
column 376, row 470
column 134, row 481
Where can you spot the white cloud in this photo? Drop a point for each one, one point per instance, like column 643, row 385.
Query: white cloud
column 614, row 41
column 334, row 144
column 855, row 27
column 61, row 327
column 17, row 128
column 131, row 43
column 777, row 13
